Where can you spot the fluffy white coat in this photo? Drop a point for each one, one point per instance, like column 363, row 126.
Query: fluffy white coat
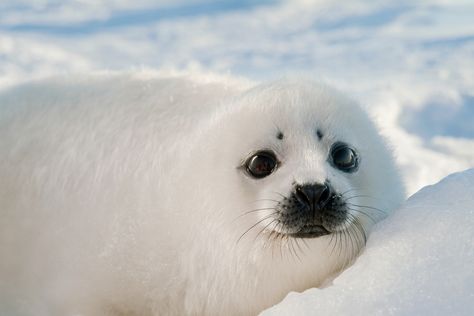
column 122, row 195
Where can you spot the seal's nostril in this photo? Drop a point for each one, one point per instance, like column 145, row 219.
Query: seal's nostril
column 325, row 195
column 302, row 195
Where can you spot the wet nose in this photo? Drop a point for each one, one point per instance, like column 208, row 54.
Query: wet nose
column 313, row 195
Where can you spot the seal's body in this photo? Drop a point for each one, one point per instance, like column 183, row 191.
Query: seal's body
column 124, row 195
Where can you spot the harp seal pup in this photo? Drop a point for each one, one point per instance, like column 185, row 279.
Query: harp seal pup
column 141, row 195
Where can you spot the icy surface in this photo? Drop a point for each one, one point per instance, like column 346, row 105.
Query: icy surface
column 418, row 262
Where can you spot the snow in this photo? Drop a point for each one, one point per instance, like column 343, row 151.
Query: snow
column 418, row 262
column 410, row 63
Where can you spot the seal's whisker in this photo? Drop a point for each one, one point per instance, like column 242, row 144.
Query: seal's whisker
column 284, row 197
column 282, row 241
column 298, row 248
column 281, row 245
column 339, row 244
column 261, row 200
column 263, row 229
column 306, row 244
column 329, row 244
column 259, row 209
column 356, row 196
column 290, row 248
column 335, row 242
column 372, row 219
column 273, row 237
column 298, row 245
column 334, row 247
column 254, row 225
column 254, row 211
column 295, row 252
column 369, row 196
column 353, row 248
column 349, row 248
column 351, row 239
column 353, row 233
column 354, row 236
column 368, row 207
column 360, row 228
column 289, row 254
column 357, row 245
column 354, row 189
column 346, row 244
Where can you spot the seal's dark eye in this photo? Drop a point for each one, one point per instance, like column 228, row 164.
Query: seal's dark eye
column 344, row 157
column 261, row 164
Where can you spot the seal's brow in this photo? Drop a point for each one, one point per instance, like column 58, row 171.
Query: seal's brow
column 319, row 134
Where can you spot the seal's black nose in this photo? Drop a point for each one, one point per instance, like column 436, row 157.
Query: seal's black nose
column 313, row 195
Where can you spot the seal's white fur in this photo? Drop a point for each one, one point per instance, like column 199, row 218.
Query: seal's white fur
column 123, row 195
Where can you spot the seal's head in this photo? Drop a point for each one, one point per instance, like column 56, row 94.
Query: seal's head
column 299, row 167
column 309, row 160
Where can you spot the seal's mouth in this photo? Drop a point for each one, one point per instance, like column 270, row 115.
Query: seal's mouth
column 313, row 231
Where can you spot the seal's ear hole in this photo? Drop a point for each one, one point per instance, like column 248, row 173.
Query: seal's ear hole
column 261, row 164
column 344, row 157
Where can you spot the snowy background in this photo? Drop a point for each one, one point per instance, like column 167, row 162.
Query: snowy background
column 411, row 63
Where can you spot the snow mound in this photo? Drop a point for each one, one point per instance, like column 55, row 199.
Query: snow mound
column 420, row 261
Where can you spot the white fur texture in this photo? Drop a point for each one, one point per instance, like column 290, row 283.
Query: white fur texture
column 122, row 195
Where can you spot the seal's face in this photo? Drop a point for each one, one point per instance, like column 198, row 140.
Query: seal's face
column 310, row 209
column 309, row 163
